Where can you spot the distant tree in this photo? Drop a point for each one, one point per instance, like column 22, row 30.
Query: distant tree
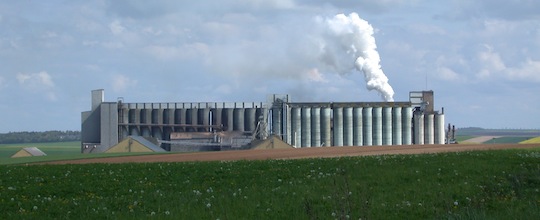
column 39, row 137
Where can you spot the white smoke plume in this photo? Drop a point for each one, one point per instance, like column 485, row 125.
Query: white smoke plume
column 349, row 44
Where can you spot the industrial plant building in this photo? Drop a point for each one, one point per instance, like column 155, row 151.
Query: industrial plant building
column 209, row 126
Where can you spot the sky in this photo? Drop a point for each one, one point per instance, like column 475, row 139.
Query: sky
column 481, row 58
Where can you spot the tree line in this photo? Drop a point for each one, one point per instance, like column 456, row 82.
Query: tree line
column 39, row 137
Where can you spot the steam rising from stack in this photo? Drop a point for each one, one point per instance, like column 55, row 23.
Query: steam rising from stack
column 349, row 40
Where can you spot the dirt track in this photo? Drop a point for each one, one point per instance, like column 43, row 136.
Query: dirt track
column 297, row 153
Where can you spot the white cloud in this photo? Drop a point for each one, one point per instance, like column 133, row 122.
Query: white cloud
column 315, row 76
column 493, row 66
column 491, row 62
column 116, row 28
column 427, row 29
column 177, row 52
column 38, row 83
column 35, row 80
column 446, row 73
column 529, row 70
column 121, row 83
column 276, row 4
column 224, row 89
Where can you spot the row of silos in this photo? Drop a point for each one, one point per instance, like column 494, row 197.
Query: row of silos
column 345, row 125
column 429, row 128
column 159, row 120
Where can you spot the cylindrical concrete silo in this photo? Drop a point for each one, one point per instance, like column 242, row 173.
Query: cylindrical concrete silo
column 123, row 116
column 296, row 126
column 276, row 121
column 180, row 118
column 168, row 116
column 146, row 115
column 238, row 122
column 418, row 128
column 227, row 119
column 326, row 127
column 348, row 126
column 338, row 126
column 142, row 116
column 406, row 125
column 377, row 126
column 132, row 116
column 439, row 129
column 250, row 120
column 306, row 127
column 367, row 122
column 286, row 124
column 217, row 116
column 155, row 116
column 192, row 119
column 429, row 130
column 396, row 126
column 316, row 126
column 203, row 118
column 357, row 127
column 133, row 119
column 387, row 126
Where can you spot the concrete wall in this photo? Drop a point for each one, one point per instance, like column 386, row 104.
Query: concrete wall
column 109, row 125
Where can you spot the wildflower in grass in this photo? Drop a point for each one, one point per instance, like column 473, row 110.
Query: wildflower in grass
column 153, row 213
column 167, row 212
column 208, row 205
column 35, row 208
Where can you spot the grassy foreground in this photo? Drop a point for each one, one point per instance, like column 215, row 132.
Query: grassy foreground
column 467, row 185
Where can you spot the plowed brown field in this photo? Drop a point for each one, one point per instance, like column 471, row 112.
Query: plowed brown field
column 317, row 152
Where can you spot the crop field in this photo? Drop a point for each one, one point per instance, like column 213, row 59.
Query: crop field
column 535, row 140
column 496, row 184
column 507, row 140
column 53, row 148
column 55, row 151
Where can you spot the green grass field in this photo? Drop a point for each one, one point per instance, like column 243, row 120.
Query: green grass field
column 461, row 138
column 467, row 185
column 507, row 140
column 55, row 151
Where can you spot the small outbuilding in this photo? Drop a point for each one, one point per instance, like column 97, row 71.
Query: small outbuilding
column 29, row 152
column 135, row 144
